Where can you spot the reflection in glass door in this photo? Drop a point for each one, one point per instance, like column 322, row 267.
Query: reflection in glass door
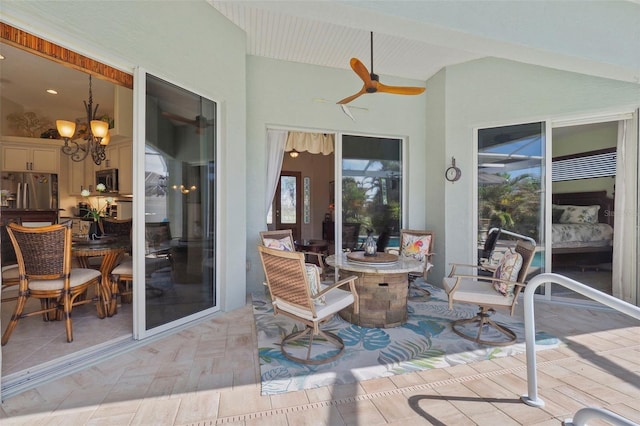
column 180, row 204
column 511, row 187
column 372, row 190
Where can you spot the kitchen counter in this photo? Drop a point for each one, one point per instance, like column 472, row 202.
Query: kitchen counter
column 43, row 217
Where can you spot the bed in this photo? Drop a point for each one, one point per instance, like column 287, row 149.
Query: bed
column 582, row 228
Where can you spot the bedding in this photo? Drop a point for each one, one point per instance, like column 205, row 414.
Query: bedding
column 565, row 235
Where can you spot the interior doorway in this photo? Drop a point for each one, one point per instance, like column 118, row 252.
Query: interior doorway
column 302, row 194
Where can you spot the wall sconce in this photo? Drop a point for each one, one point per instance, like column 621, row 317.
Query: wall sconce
column 294, row 154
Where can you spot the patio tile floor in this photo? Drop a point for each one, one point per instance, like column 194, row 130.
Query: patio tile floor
column 209, row 374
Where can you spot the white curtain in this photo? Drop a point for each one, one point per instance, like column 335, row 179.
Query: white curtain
column 314, row 143
column 276, row 140
column 625, row 236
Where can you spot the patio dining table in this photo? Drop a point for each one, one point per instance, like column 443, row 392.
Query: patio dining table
column 111, row 249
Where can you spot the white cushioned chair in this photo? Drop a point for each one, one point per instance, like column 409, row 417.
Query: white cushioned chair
column 291, row 295
column 490, row 292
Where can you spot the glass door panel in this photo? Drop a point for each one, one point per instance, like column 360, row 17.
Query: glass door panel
column 288, row 207
column 511, row 187
column 371, row 190
column 180, row 204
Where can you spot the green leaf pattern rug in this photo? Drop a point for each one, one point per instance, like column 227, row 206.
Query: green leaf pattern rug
column 426, row 341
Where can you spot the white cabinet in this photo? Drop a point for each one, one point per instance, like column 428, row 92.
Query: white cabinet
column 80, row 175
column 30, row 157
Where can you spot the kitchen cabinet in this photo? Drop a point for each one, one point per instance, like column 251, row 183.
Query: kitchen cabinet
column 80, row 175
column 28, row 157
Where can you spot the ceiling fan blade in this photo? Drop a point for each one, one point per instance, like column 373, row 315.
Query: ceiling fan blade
column 359, row 68
column 400, row 90
column 352, row 97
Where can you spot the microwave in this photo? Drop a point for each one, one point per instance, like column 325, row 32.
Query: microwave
column 109, row 178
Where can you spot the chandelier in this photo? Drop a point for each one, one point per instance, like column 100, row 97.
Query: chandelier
column 97, row 135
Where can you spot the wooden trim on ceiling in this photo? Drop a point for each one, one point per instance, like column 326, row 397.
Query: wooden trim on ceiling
column 46, row 49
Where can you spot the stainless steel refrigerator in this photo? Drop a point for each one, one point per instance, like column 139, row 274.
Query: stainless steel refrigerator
column 29, row 190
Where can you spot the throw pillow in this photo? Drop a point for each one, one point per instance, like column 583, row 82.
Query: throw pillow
column 416, row 246
column 313, row 275
column 281, row 244
column 580, row 214
column 508, row 269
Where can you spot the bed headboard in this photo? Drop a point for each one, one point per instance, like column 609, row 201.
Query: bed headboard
column 605, row 214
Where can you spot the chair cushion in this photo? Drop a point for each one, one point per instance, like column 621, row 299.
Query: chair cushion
column 124, row 268
column 281, row 244
column 336, row 300
column 78, row 277
column 508, row 269
column 480, row 293
column 313, row 275
column 416, row 246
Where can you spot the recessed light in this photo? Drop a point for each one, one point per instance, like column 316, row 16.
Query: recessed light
column 52, row 92
column 1, row 57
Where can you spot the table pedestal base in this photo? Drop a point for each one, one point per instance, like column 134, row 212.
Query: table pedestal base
column 383, row 300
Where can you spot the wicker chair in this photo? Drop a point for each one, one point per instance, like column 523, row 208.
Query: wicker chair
column 417, row 244
column 122, row 274
column 311, row 257
column 116, row 227
column 291, row 296
column 44, row 263
column 10, row 275
column 481, row 290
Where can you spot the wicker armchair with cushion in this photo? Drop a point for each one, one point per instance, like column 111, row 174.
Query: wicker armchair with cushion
column 44, row 263
column 292, row 296
column 498, row 291
column 283, row 240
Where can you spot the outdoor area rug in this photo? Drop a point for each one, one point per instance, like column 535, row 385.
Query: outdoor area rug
column 426, row 341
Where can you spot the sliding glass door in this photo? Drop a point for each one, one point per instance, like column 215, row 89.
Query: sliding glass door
column 511, row 187
column 179, row 206
column 372, row 190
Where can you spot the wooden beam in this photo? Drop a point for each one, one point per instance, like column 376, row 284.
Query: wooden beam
column 46, row 49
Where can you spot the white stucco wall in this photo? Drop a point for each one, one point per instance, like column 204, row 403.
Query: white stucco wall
column 188, row 43
column 282, row 94
column 492, row 92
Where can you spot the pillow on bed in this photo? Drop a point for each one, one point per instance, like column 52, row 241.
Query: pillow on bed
column 580, row 214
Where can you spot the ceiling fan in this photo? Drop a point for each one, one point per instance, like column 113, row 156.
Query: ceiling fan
column 200, row 122
column 372, row 82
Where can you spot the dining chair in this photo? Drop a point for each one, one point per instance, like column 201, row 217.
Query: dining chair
column 116, row 227
column 292, row 296
column 10, row 275
column 122, row 274
column 44, row 265
column 489, row 293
